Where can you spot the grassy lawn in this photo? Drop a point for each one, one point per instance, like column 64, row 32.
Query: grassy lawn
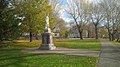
column 86, row 44
column 117, row 43
column 12, row 56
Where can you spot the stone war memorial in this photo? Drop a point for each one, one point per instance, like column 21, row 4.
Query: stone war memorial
column 47, row 38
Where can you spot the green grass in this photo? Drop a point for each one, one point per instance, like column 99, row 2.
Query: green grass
column 13, row 57
column 86, row 44
column 117, row 43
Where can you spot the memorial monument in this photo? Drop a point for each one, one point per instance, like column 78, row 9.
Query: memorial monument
column 47, row 38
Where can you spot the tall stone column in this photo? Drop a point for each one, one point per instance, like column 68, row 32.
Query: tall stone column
column 47, row 38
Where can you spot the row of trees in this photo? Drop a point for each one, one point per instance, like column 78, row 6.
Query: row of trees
column 19, row 16
column 27, row 16
column 103, row 13
column 111, row 14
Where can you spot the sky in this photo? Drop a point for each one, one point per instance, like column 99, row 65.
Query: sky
column 64, row 15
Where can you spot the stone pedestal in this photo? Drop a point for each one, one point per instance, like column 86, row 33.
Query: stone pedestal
column 47, row 40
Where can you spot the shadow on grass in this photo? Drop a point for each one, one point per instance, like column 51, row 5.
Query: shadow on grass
column 13, row 57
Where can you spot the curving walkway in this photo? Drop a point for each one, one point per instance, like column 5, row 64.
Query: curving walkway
column 66, row 51
column 110, row 55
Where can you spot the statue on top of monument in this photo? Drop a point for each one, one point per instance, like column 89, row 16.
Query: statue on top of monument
column 47, row 22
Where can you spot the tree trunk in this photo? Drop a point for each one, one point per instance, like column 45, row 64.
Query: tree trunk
column 88, row 34
column 30, row 36
column 113, row 36
column 96, row 32
column 79, row 31
column 118, row 37
column 109, row 34
column 81, row 37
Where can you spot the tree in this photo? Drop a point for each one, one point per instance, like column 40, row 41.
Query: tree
column 107, row 14
column 96, row 17
column 56, row 7
column 58, row 22
column 34, row 13
column 78, row 10
column 9, row 23
column 90, row 30
column 111, row 12
column 61, row 26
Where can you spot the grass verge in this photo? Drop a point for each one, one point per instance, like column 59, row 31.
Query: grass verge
column 13, row 57
column 86, row 44
column 117, row 43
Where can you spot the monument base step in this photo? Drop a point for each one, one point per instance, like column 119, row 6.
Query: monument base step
column 47, row 47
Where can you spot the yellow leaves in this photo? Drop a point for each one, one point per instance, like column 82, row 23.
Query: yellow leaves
column 52, row 7
column 26, row 43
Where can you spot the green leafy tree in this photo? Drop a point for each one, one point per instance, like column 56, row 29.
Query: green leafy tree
column 34, row 13
column 61, row 26
column 9, row 24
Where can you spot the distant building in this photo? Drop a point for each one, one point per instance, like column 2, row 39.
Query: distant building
column 56, row 33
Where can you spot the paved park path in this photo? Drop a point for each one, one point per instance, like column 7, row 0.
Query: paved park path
column 110, row 55
column 66, row 51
